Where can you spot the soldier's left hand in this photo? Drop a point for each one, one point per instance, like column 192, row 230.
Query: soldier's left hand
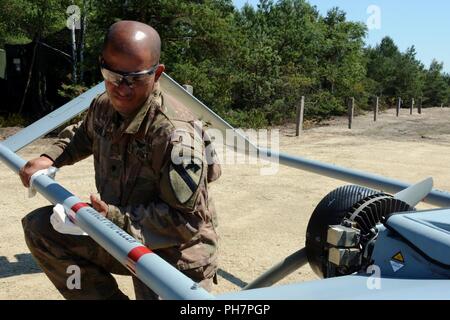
column 99, row 205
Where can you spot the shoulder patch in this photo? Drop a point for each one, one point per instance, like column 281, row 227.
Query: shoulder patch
column 187, row 162
column 185, row 178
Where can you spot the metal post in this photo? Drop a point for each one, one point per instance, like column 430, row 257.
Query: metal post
column 399, row 106
column 156, row 273
column 299, row 118
column 412, row 106
column 280, row 270
column 351, row 111
column 375, row 110
column 74, row 52
column 83, row 39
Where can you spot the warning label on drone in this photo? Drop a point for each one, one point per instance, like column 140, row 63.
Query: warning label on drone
column 397, row 261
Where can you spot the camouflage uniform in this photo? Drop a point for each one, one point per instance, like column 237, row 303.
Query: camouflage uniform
column 151, row 170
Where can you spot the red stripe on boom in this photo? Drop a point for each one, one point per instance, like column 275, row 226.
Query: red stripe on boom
column 138, row 252
column 78, row 206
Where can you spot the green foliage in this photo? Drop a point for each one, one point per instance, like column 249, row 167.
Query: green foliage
column 253, row 118
column 323, row 105
column 71, row 91
column 24, row 20
column 395, row 74
column 447, row 96
column 13, row 120
column 436, row 87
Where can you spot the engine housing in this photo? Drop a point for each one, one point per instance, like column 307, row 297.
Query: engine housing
column 341, row 231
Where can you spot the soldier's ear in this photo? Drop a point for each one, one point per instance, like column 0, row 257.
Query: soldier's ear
column 159, row 71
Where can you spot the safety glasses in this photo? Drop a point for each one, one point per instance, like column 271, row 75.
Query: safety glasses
column 131, row 79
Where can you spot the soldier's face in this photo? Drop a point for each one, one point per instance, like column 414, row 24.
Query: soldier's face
column 125, row 98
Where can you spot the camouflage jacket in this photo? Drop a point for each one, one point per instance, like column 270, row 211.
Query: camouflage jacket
column 152, row 172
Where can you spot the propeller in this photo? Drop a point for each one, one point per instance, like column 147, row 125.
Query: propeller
column 415, row 193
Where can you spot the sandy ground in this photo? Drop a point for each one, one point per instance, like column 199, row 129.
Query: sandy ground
column 262, row 218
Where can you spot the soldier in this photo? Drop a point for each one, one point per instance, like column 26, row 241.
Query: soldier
column 150, row 169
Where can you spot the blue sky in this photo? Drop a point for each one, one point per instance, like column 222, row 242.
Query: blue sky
column 424, row 24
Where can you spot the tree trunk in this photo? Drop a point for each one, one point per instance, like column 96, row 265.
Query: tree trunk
column 30, row 73
column 83, row 38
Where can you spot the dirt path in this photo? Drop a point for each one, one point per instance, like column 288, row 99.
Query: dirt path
column 262, row 218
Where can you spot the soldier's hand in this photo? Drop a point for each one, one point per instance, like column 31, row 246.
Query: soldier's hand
column 99, row 205
column 31, row 167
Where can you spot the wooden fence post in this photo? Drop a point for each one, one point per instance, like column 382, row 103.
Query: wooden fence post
column 299, row 119
column 375, row 110
column 351, row 111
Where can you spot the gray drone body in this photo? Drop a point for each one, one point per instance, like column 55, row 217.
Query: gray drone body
column 414, row 246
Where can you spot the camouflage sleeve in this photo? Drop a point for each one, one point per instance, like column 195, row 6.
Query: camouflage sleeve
column 74, row 143
column 177, row 216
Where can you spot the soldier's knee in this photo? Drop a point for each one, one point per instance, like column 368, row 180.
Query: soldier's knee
column 37, row 222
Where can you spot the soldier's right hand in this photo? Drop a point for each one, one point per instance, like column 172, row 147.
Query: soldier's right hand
column 31, row 167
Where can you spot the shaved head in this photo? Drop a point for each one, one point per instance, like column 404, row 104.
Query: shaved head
column 133, row 38
column 131, row 47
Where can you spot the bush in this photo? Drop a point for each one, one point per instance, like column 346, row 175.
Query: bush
column 14, row 120
column 323, row 105
column 253, row 118
column 71, row 91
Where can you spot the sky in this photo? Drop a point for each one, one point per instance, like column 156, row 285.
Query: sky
column 422, row 23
